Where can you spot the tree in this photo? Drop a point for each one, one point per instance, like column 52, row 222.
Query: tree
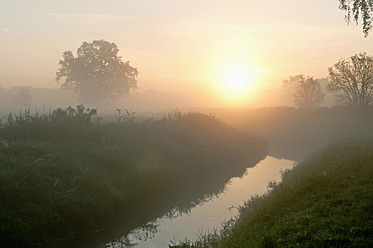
column 307, row 93
column 97, row 74
column 352, row 80
column 358, row 9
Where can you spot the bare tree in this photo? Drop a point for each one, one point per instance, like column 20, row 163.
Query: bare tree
column 352, row 80
column 307, row 92
column 356, row 9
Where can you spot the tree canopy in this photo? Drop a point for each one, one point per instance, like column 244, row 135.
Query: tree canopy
column 97, row 74
column 356, row 9
column 307, row 92
column 352, row 80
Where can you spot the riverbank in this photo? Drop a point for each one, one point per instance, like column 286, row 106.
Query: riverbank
column 66, row 176
column 211, row 213
column 325, row 201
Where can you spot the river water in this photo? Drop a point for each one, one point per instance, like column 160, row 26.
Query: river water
column 210, row 214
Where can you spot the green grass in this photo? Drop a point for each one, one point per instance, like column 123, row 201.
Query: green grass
column 325, row 201
column 65, row 175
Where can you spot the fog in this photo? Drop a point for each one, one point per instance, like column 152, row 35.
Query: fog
column 150, row 102
column 186, row 124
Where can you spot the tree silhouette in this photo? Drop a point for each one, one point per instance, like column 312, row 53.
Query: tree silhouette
column 307, row 93
column 97, row 74
column 357, row 9
column 352, row 80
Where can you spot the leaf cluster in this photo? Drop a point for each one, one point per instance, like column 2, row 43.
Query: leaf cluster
column 357, row 9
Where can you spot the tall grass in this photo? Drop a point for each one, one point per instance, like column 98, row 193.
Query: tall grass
column 66, row 175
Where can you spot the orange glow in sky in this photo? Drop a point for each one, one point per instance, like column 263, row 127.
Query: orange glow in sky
column 233, row 48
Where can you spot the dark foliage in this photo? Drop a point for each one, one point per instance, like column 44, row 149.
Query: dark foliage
column 357, row 9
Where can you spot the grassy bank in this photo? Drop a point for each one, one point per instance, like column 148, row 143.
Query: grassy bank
column 325, row 201
column 67, row 176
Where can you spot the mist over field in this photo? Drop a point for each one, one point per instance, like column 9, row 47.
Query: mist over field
column 186, row 125
column 148, row 102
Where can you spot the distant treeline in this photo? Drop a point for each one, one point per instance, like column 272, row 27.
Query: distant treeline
column 65, row 175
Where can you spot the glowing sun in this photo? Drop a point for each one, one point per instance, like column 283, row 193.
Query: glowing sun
column 237, row 82
column 236, row 79
column 236, row 85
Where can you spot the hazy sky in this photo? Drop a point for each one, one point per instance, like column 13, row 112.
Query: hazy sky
column 179, row 45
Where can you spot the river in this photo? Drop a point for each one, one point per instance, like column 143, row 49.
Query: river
column 208, row 215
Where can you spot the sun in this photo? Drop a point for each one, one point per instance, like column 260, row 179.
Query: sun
column 235, row 84
column 236, row 79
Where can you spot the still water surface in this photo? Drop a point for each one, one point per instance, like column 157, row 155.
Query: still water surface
column 210, row 214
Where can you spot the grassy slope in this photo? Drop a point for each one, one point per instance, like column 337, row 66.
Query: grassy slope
column 325, row 201
column 59, row 181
